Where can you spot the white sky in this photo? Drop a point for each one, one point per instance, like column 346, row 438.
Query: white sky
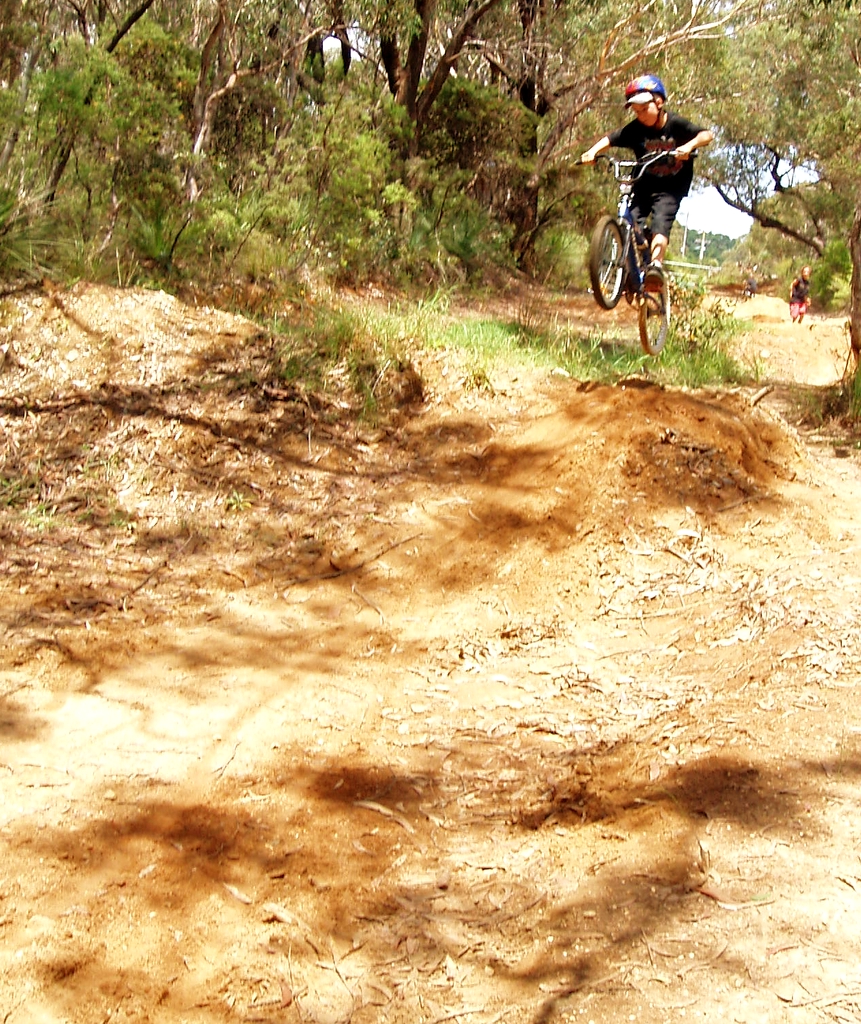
column 706, row 211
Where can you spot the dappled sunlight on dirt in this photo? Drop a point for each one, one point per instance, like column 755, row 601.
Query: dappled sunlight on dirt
column 532, row 703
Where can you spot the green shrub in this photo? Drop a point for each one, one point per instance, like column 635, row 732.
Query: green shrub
column 695, row 323
column 830, row 275
column 561, row 259
column 24, row 236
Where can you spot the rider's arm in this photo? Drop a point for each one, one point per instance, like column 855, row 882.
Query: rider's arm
column 589, row 156
column 703, row 138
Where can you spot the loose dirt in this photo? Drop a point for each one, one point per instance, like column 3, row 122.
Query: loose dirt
column 537, row 703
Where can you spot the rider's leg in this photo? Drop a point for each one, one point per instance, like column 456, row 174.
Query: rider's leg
column 654, row 277
column 664, row 210
column 641, row 208
column 659, row 248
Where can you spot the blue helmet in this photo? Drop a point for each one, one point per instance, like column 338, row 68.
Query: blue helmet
column 644, row 88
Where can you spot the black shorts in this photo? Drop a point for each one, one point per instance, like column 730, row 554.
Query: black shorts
column 663, row 206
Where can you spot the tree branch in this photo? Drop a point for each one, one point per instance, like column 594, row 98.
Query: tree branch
column 127, row 25
column 448, row 60
column 767, row 221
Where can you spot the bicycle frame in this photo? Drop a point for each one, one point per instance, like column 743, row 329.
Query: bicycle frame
column 633, row 238
column 619, row 258
column 635, row 253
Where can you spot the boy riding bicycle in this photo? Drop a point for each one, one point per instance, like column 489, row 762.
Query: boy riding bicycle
column 661, row 189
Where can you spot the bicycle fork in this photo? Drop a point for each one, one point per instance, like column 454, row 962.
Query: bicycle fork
column 636, row 248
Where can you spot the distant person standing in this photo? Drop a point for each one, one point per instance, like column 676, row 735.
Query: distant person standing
column 799, row 296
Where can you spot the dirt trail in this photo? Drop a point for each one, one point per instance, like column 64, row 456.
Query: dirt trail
column 813, row 352
column 538, row 705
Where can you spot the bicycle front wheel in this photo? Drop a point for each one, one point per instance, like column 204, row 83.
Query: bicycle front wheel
column 654, row 319
column 606, row 269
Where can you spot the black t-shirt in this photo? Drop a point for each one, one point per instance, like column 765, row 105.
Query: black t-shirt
column 800, row 290
column 667, row 176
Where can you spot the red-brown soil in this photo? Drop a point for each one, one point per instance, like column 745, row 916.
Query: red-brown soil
column 538, row 703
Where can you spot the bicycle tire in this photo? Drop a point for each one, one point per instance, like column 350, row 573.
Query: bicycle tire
column 606, row 268
column 654, row 319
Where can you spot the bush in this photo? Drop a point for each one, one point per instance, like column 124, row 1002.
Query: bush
column 830, row 276
column 696, row 352
column 24, row 236
column 561, row 257
column 695, row 324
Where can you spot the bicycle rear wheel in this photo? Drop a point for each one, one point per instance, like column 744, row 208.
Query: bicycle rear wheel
column 606, row 269
column 654, row 319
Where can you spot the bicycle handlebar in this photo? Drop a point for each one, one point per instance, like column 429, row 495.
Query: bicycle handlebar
column 638, row 166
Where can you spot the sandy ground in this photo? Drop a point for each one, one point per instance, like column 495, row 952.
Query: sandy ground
column 813, row 352
column 537, row 704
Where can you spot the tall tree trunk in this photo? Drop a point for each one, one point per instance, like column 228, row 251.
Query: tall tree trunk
column 855, row 289
column 67, row 140
column 339, row 30
column 27, row 67
column 450, row 56
column 522, row 212
column 521, row 209
column 404, row 80
column 412, row 71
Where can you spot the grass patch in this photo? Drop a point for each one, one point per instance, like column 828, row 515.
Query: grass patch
column 490, row 344
column 359, row 353
column 702, row 365
column 41, row 518
column 839, row 404
column 696, row 354
column 352, row 350
column 16, row 492
column 236, row 501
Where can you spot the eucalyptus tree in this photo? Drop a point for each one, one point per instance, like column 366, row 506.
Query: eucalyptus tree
column 791, row 159
column 421, row 46
column 48, row 89
column 130, row 94
column 20, row 46
column 155, row 103
column 51, row 46
column 569, row 62
column 557, row 59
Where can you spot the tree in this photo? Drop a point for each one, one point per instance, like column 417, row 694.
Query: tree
column 225, row 109
column 790, row 161
column 413, row 86
column 570, row 56
column 558, row 60
column 67, row 139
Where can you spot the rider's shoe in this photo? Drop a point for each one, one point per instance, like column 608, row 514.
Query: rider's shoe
column 653, row 281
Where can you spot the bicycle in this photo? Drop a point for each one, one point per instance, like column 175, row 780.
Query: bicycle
column 619, row 255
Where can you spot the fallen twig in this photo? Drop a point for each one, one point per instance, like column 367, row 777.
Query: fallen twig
column 722, row 901
column 823, row 1000
column 220, row 771
column 352, row 568
column 371, row 805
column 741, row 501
column 370, row 603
